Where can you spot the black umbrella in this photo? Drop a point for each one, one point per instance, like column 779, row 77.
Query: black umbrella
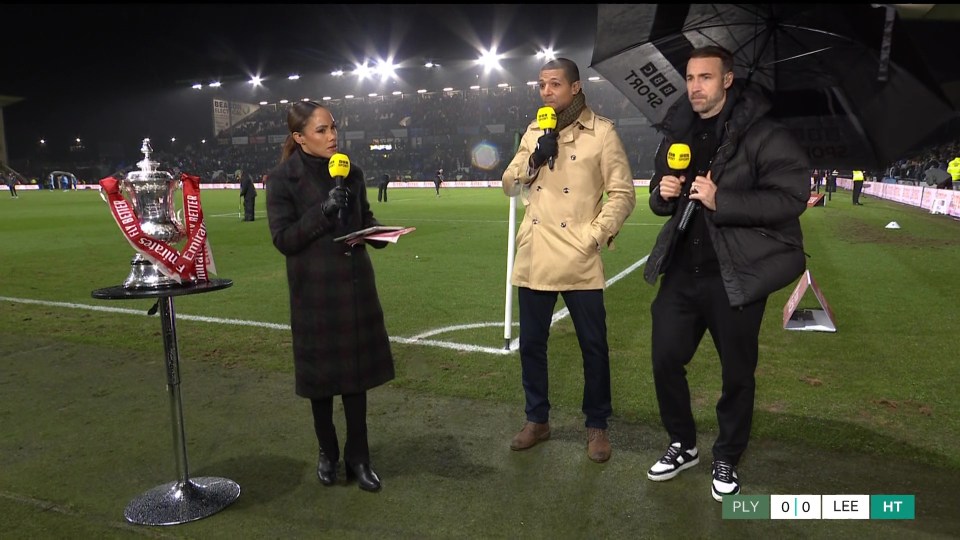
column 844, row 78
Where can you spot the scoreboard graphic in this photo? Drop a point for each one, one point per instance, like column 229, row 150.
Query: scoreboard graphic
column 819, row 507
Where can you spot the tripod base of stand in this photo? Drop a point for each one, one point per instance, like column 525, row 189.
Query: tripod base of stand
column 180, row 502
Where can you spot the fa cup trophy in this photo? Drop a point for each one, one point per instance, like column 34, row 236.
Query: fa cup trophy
column 149, row 221
column 142, row 205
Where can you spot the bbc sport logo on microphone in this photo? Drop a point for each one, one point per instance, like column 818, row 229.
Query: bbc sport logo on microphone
column 678, row 156
column 339, row 165
column 546, row 118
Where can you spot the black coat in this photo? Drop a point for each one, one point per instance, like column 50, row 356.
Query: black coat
column 340, row 343
column 762, row 178
column 247, row 190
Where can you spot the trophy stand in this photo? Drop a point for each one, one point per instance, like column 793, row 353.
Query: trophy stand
column 184, row 499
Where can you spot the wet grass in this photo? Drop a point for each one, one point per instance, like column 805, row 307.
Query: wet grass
column 881, row 389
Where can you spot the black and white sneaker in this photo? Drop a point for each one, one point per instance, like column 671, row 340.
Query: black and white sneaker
column 675, row 460
column 725, row 480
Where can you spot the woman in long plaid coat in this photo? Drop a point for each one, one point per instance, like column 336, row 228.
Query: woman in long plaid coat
column 340, row 343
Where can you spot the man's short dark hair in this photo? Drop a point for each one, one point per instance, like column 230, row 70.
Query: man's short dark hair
column 569, row 67
column 715, row 51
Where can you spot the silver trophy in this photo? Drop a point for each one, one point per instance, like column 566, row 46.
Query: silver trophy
column 150, row 192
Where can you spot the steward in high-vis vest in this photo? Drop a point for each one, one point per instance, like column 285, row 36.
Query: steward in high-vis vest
column 954, row 169
column 857, row 187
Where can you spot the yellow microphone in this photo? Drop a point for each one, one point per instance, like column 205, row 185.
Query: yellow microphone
column 339, row 167
column 678, row 159
column 547, row 120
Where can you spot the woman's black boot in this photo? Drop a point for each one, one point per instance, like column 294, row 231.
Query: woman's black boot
column 327, row 470
column 366, row 478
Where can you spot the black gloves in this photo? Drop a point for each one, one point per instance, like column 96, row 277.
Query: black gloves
column 547, row 148
column 337, row 198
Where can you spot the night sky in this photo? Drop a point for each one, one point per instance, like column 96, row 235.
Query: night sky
column 114, row 72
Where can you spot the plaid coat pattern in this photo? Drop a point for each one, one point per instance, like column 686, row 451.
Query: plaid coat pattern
column 340, row 342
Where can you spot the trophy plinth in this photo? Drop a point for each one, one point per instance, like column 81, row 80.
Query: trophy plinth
column 151, row 195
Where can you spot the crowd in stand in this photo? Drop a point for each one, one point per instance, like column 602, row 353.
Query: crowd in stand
column 923, row 168
column 470, row 134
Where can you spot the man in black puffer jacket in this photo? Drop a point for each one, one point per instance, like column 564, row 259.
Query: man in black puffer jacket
column 746, row 185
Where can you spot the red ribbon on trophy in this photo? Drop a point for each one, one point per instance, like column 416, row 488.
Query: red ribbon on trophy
column 196, row 252
column 195, row 262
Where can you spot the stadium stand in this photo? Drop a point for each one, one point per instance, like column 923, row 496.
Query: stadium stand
column 471, row 134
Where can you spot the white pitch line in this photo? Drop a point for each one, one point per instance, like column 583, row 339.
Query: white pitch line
column 415, row 340
column 448, row 345
column 273, row 326
column 562, row 314
column 446, row 329
column 629, row 270
column 126, row 311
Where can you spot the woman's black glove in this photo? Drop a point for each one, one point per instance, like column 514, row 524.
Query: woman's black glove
column 337, row 198
column 547, row 148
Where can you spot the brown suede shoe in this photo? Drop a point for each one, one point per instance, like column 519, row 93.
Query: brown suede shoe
column 530, row 435
column 598, row 445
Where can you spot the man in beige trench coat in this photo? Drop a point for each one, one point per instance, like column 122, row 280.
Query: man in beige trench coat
column 561, row 176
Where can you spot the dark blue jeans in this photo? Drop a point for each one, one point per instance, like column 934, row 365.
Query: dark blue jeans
column 590, row 322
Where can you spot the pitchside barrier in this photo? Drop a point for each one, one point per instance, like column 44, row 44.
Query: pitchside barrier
column 411, row 184
column 258, row 185
column 470, row 184
column 937, row 201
